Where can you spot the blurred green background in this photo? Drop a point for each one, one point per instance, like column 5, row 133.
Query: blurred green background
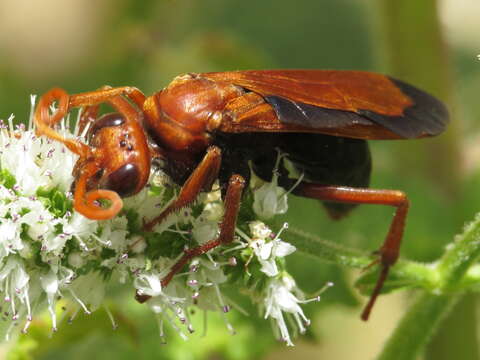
column 81, row 45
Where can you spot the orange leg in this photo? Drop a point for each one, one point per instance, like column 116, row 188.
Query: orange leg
column 201, row 179
column 233, row 196
column 391, row 246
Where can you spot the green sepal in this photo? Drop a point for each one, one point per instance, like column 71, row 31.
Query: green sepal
column 7, row 179
column 366, row 283
column 54, row 200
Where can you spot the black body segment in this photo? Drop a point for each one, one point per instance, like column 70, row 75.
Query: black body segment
column 329, row 160
column 322, row 159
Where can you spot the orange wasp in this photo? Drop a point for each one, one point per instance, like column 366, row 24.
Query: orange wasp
column 211, row 126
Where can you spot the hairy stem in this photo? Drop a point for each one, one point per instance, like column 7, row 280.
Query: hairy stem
column 406, row 272
column 423, row 318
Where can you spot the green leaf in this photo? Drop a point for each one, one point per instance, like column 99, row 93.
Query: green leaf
column 167, row 244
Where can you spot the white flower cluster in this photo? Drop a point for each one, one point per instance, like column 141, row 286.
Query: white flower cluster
column 48, row 251
column 281, row 297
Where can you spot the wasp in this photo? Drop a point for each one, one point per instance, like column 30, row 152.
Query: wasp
column 211, row 126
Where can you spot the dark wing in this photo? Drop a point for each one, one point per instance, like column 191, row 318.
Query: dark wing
column 342, row 103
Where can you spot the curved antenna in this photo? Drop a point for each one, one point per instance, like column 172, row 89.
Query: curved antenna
column 44, row 121
column 87, row 203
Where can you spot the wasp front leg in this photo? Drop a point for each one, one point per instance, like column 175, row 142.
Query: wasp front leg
column 201, row 179
column 233, row 197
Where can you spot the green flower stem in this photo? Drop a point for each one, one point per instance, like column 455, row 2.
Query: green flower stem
column 423, row 318
column 409, row 271
column 460, row 257
column 471, row 280
column 325, row 250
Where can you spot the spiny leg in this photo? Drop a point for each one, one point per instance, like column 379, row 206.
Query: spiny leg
column 201, row 179
column 233, row 196
column 390, row 248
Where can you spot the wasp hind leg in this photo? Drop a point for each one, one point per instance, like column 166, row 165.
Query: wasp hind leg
column 389, row 251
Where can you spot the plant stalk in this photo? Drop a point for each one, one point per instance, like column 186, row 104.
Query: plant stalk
column 422, row 319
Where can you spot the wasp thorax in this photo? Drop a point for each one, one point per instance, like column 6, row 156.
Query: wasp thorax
column 180, row 117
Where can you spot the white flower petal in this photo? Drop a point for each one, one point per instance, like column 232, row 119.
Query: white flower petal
column 264, row 250
column 49, row 283
column 269, row 267
column 259, row 230
column 280, row 299
column 149, row 284
column 269, row 200
column 282, row 248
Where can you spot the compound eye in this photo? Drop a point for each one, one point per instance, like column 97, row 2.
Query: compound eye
column 124, row 180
